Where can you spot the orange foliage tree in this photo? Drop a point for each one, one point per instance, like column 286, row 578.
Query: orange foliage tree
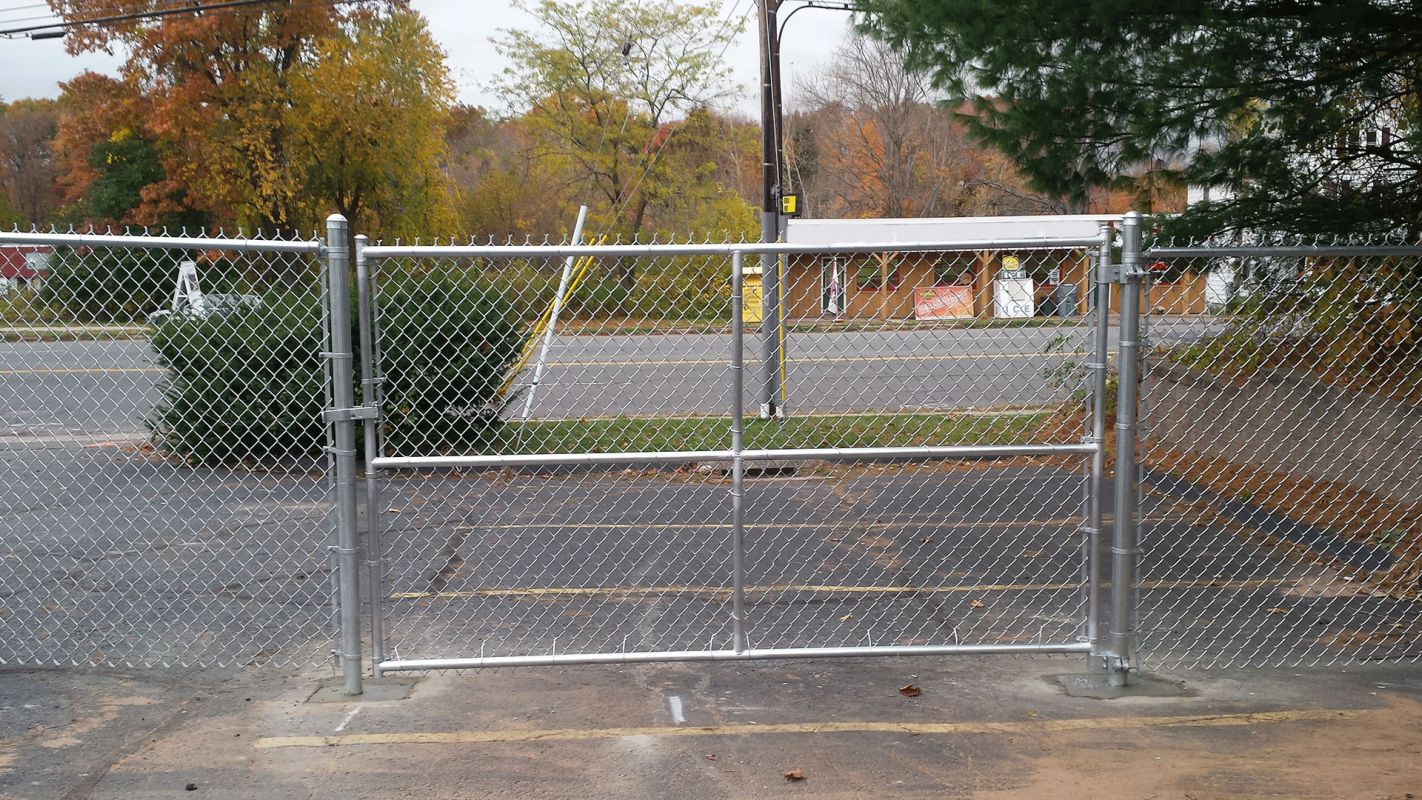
column 218, row 88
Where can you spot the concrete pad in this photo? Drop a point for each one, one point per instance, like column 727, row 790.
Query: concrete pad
column 1098, row 685
column 982, row 727
column 374, row 690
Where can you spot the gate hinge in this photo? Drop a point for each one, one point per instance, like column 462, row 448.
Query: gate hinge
column 357, row 413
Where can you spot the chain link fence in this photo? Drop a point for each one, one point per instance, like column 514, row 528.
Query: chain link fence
column 574, row 467
column 1281, row 455
column 669, row 452
column 163, row 481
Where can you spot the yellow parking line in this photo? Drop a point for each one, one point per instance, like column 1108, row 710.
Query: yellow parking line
column 677, row 589
column 1035, row 726
column 682, row 362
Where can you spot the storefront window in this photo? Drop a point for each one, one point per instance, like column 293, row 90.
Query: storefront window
column 870, row 273
column 952, row 272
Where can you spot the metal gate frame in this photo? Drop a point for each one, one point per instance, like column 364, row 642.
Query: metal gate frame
column 1105, row 652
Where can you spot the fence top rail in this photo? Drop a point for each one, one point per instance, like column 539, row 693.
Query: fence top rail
column 113, row 240
column 1286, row 251
column 715, row 249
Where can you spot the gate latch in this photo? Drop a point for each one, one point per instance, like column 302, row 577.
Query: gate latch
column 344, row 414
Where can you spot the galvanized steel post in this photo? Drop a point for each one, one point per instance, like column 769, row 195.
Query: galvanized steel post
column 1124, row 546
column 738, row 626
column 1100, row 309
column 370, row 399
column 341, row 417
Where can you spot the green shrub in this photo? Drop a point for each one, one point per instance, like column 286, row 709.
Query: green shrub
column 109, row 286
column 249, row 386
column 446, row 345
column 246, row 386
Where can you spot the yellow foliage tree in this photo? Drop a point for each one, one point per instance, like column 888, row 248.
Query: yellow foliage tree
column 367, row 121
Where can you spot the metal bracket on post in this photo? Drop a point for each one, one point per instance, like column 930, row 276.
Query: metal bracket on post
column 342, row 416
column 1124, row 547
column 355, row 414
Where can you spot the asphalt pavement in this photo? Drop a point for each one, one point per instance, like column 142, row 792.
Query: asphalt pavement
column 56, row 390
column 116, row 556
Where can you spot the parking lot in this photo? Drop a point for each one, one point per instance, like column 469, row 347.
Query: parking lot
column 121, row 555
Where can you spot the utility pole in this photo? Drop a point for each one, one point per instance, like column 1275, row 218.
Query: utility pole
column 773, row 394
column 772, row 332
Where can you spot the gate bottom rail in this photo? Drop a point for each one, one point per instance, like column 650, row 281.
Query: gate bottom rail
column 554, row 659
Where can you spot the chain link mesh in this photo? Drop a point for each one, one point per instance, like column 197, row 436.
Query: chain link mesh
column 882, row 350
column 163, row 485
column 1282, row 456
column 166, row 479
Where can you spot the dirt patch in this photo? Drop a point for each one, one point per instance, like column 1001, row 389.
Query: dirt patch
column 1353, row 513
column 1373, row 754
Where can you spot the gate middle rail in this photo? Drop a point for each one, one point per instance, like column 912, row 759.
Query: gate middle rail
column 566, row 463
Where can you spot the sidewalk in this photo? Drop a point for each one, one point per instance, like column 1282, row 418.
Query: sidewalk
column 982, row 727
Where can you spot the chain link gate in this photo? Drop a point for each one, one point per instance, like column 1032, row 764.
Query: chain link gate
column 561, row 466
column 562, row 469
column 163, row 491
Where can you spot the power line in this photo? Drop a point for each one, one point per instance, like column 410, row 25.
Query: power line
column 180, row 8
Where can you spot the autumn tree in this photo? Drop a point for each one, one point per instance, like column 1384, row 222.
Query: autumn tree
column 367, row 123
column 872, row 139
column 218, row 88
column 502, row 190
column 27, row 168
column 714, row 161
column 597, row 83
column 93, row 109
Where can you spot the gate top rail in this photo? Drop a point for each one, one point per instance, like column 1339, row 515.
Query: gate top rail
column 715, row 249
column 1285, row 251
column 160, row 242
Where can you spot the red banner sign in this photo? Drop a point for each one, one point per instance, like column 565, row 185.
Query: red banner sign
column 943, row 302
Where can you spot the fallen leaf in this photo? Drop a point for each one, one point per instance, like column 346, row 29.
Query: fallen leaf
column 977, row 604
column 846, row 618
column 1278, row 610
column 1032, row 553
column 911, row 690
column 796, row 774
column 712, row 757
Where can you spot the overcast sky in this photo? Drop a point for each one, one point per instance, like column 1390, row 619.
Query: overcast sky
column 463, row 27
